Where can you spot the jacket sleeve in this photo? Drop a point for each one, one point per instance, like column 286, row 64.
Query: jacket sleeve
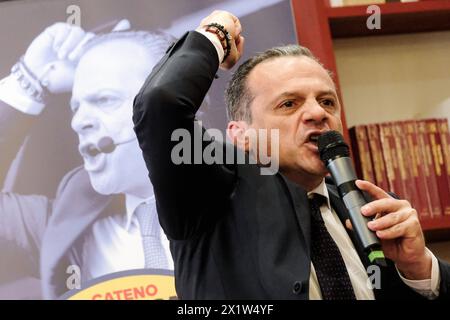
column 190, row 197
column 22, row 217
column 444, row 288
column 14, row 126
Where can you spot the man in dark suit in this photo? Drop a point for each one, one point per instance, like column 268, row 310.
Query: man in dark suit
column 91, row 227
column 236, row 233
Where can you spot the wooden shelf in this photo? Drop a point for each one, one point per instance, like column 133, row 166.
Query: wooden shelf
column 396, row 18
column 437, row 229
column 436, row 223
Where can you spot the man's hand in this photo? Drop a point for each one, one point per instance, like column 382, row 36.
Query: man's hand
column 233, row 26
column 398, row 227
column 53, row 55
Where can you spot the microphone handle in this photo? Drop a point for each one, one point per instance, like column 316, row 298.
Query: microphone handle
column 344, row 175
column 354, row 200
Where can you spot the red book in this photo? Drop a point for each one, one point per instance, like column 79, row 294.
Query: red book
column 390, row 157
column 373, row 132
column 416, row 166
column 440, row 169
column 405, row 164
column 445, row 143
column 361, row 153
column 427, row 158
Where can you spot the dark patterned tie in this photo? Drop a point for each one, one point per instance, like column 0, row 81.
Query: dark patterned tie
column 154, row 253
column 330, row 268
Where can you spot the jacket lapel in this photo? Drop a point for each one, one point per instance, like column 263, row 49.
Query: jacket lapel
column 302, row 210
column 75, row 208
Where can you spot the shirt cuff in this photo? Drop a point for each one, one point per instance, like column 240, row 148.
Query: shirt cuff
column 12, row 94
column 215, row 41
column 428, row 288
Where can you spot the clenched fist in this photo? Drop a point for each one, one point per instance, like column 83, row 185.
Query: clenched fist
column 233, row 26
column 53, row 55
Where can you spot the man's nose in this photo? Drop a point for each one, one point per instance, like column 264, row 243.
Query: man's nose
column 314, row 112
column 84, row 120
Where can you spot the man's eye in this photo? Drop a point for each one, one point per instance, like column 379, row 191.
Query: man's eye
column 288, row 104
column 328, row 102
column 106, row 101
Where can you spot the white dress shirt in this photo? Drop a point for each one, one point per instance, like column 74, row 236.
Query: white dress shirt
column 115, row 244
column 358, row 275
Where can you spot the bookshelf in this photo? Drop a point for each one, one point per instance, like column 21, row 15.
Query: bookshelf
column 318, row 24
column 421, row 16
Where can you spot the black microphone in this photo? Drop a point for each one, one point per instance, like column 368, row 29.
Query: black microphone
column 106, row 145
column 335, row 154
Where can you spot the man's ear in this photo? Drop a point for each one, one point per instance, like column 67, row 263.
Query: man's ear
column 236, row 132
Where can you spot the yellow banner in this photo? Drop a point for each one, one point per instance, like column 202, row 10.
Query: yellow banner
column 128, row 285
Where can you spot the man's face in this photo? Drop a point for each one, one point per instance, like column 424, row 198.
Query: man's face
column 297, row 96
column 106, row 81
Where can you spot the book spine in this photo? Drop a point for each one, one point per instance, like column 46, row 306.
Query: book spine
column 404, row 164
column 439, row 165
column 445, row 144
column 361, row 153
column 425, row 149
column 417, row 170
column 379, row 168
column 390, row 157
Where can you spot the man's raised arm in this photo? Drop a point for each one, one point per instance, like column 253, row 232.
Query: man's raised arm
column 186, row 193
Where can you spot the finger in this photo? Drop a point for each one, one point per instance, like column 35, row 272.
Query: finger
column 240, row 46
column 60, row 33
column 390, row 220
column 238, row 26
column 384, row 206
column 407, row 229
column 373, row 190
column 76, row 53
column 235, row 19
column 348, row 224
column 74, row 37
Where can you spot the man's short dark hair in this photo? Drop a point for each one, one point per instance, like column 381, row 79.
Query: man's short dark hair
column 238, row 96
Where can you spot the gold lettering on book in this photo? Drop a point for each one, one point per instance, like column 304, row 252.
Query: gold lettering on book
column 434, row 148
column 414, row 160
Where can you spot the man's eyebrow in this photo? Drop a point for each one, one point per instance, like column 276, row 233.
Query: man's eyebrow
column 328, row 92
column 90, row 97
column 285, row 94
column 290, row 94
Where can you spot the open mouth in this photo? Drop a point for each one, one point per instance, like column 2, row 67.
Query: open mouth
column 89, row 150
column 94, row 159
column 92, row 151
column 314, row 138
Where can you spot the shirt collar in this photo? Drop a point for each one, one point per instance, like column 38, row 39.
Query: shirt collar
column 323, row 191
column 131, row 204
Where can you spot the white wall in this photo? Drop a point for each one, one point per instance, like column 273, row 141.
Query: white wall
column 396, row 77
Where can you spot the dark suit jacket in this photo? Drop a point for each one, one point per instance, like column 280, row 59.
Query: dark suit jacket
column 50, row 232
column 235, row 234
column 39, row 237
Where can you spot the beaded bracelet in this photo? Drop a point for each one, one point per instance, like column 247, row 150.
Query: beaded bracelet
column 28, row 81
column 223, row 35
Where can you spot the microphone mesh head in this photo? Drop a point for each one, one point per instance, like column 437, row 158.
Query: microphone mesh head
column 331, row 144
